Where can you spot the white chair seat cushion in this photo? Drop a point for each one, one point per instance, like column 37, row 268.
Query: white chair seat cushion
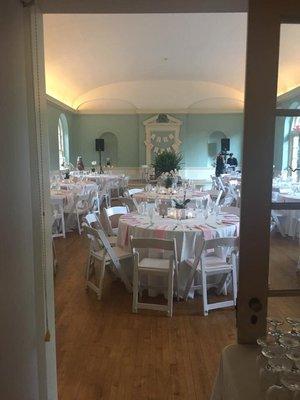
column 120, row 253
column 157, row 264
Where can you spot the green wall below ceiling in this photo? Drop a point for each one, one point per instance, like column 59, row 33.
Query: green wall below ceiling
column 130, row 133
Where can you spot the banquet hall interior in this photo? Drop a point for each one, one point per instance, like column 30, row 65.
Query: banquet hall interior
column 153, row 87
column 170, row 218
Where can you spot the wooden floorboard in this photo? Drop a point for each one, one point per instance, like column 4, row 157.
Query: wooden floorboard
column 106, row 352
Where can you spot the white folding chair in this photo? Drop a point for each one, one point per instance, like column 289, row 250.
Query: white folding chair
column 82, row 207
column 155, row 266
column 133, row 191
column 93, row 222
column 101, row 254
column 58, row 218
column 95, row 202
column 112, row 216
column 219, row 197
column 130, row 203
column 221, row 184
column 214, row 257
column 278, row 220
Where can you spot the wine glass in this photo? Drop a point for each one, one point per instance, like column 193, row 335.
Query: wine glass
column 289, row 341
column 151, row 214
column 293, row 354
column 274, row 326
column 268, row 374
column 278, row 392
column 295, row 323
column 291, row 381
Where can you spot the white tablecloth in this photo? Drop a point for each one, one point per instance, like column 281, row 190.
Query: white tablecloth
column 99, row 179
column 289, row 221
column 238, row 375
column 178, row 195
column 189, row 235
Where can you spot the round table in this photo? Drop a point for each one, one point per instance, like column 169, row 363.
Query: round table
column 189, row 234
column 99, row 179
column 151, row 196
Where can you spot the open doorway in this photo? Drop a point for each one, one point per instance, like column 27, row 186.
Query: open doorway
column 77, row 153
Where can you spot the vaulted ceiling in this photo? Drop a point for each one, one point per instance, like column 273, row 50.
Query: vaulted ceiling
column 153, row 62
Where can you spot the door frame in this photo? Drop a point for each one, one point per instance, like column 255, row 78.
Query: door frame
column 264, row 19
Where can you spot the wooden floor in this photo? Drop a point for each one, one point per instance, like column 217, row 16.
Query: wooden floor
column 106, row 352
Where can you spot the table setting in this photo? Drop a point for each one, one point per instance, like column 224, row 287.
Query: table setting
column 190, row 227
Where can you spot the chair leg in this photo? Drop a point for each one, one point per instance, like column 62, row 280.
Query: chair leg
column 234, row 284
column 63, row 225
column 177, row 283
column 204, row 293
column 87, row 270
column 78, row 224
column 101, row 279
column 170, row 293
column 135, row 290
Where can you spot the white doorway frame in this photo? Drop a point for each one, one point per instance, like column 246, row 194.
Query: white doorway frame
column 264, row 20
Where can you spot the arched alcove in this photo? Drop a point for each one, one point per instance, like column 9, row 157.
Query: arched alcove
column 214, row 145
column 110, row 147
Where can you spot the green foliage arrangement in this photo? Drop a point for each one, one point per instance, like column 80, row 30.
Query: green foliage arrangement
column 167, row 161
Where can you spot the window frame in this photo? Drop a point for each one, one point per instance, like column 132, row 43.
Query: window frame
column 63, row 141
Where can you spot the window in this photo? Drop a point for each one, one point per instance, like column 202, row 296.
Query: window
column 63, row 141
column 294, row 147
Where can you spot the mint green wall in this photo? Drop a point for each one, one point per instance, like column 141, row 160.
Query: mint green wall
column 130, row 132
column 53, row 113
column 199, row 127
column 89, row 127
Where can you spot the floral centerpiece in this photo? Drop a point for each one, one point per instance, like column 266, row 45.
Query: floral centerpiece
column 167, row 179
column 66, row 167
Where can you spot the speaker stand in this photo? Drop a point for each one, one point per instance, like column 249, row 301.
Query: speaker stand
column 100, row 164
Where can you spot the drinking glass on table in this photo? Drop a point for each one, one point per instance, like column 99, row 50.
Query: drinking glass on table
column 269, row 373
column 151, row 214
column 291, row 381
column 295, row 323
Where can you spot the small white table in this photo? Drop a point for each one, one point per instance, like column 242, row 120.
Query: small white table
column 238, row 375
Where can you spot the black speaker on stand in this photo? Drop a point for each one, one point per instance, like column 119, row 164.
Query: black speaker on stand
column 225, row 147
column 99, row 145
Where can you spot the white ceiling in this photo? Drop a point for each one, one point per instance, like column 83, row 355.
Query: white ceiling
column 151, row 62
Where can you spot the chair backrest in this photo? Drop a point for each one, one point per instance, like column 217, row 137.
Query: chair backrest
column 129, row 202
column 154, row 244
column 214, row 244
column 221, row 184
column 231, row 210
column 134, row 191
column 93, row 221
column 112, row 216
column 229, row 242
column 95, row 201
column 117, row 210
column 57, row 207
column 161, row 244
column 98, row 236
column 219, row 198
